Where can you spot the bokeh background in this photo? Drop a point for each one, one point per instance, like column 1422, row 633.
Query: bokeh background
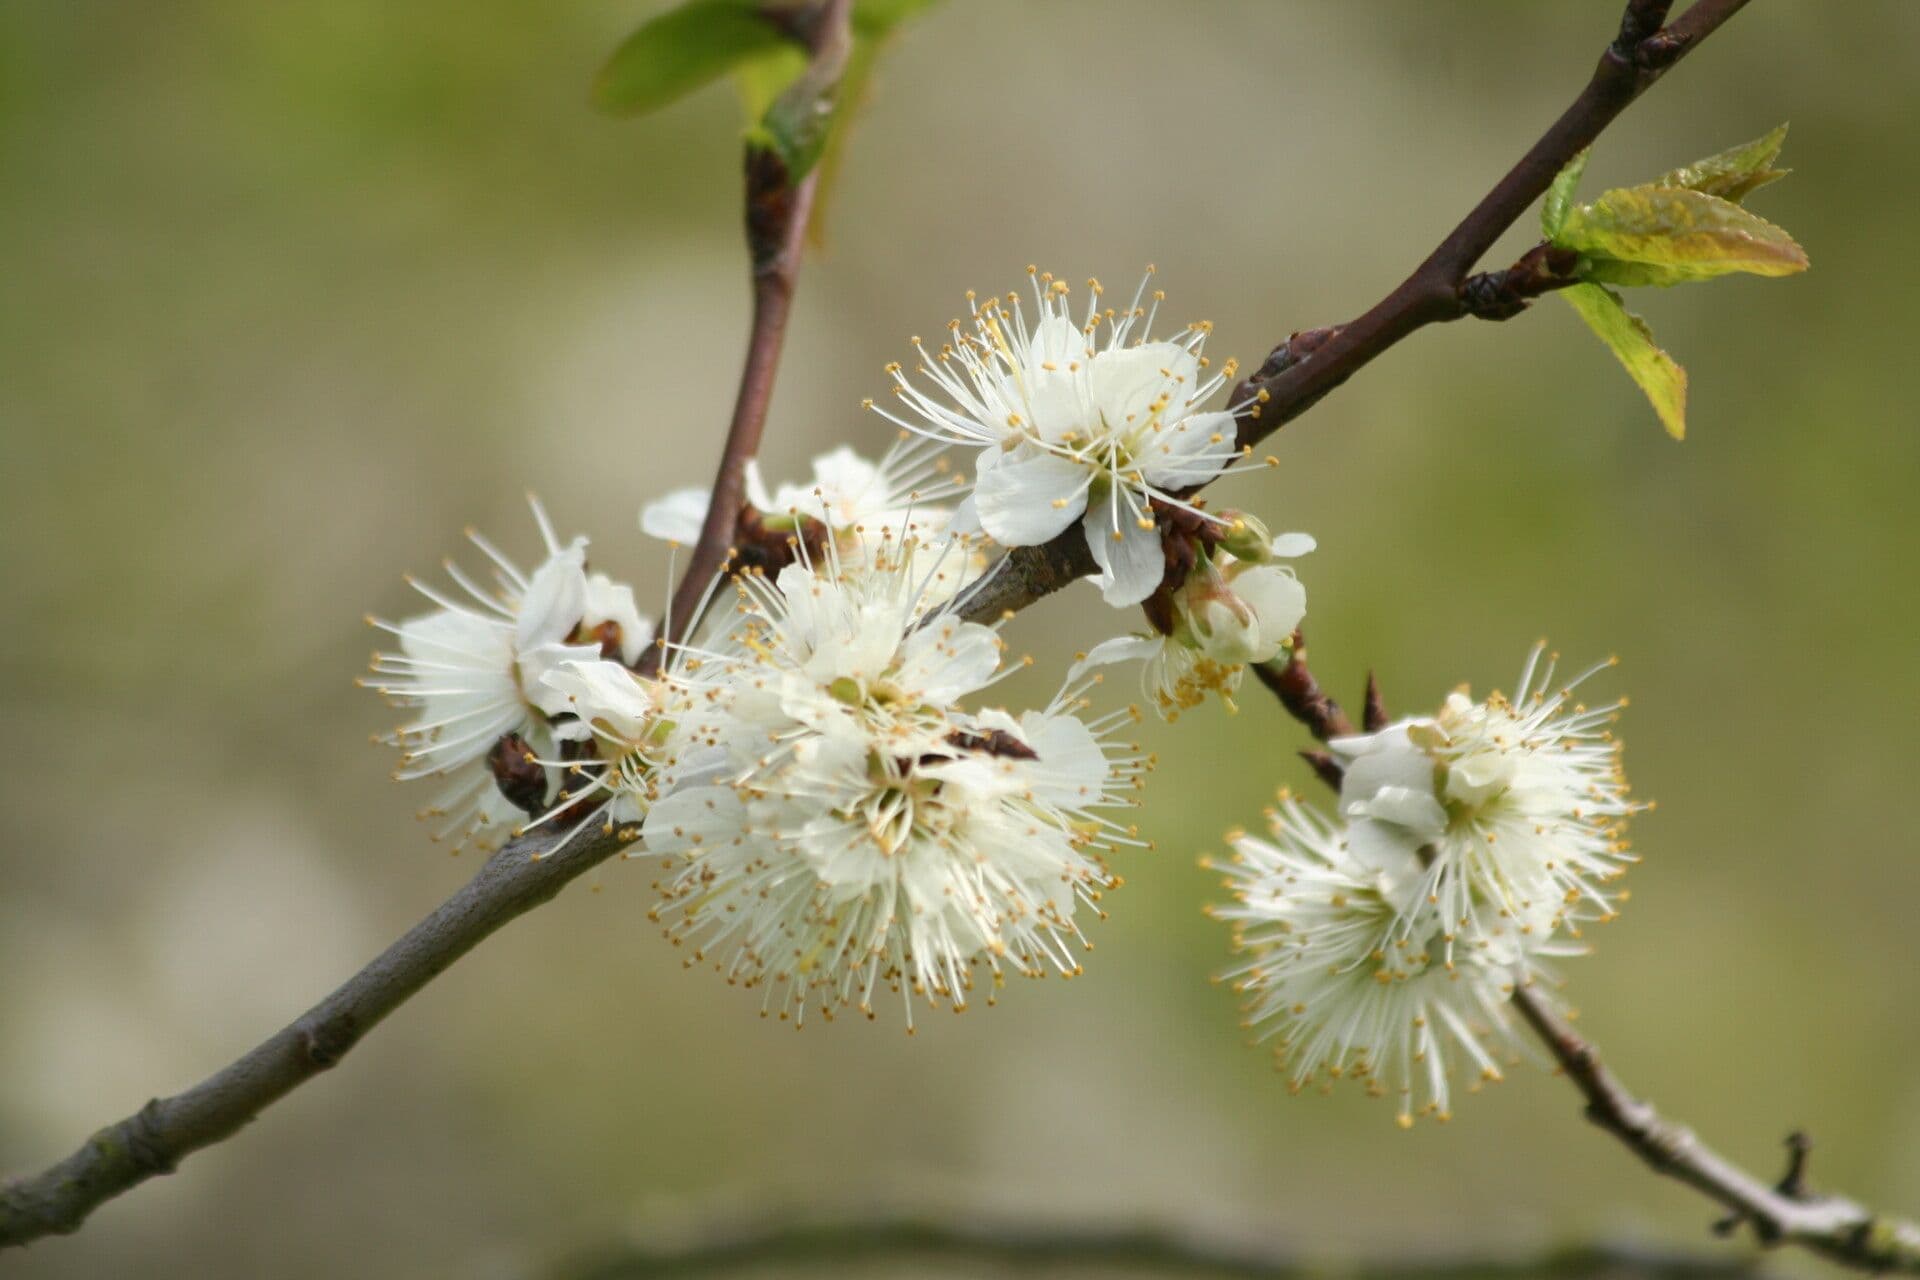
column 291, row 294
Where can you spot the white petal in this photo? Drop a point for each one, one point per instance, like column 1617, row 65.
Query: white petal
column 1072, row 769
column 694, row 818
column 1189, row 451
column 1026, row 499
column 1131, row 564
column 756, row 487
column 1278, row 601
column 1124, row 383
column 610, row 601
column 555, row 598
column 948, row 659
column 535, row 664
column 1289, row 545
column 1394, row 762
column 1412, row 808
column 603, row 692
column 1118, row 649
column 676, row 517
column 843, row 477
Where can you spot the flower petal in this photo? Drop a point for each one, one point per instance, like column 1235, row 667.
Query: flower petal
column 1190, row 451
column 1029, row 497
column 555, row 598
column 1125, row 383
column 676, row 517
column 1131, row 562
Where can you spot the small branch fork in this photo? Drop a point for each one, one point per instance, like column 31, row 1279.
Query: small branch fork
column 524, row 874
column 1300, row 371
column 1311, row 363
column 1786, row 1212
column 778, row 211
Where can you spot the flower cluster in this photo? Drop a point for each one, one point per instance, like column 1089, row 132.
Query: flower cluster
column 831, row 817
column 1235, row 608
column 1470, row 847
column 1091, row 420
column 868, row 829
column 491, row 664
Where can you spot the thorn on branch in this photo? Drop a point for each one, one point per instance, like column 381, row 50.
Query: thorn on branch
column 1793, row 1183
column 1325, row 767
column 1374, row 715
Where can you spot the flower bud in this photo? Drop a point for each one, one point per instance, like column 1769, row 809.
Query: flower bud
column 1244, row 614
column 1247, row 537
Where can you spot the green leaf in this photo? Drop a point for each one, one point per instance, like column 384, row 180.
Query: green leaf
column 1667, row 235
column 1631, row 341
column 682, row 50
column 1553, row 214
column 1733, row 173
column 764, row 77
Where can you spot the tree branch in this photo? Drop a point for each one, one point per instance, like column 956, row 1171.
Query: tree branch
column 1020, row 1247
column 1834, row 1227
column 1309, row 364
column 524, row 874
column 1297, row 374
column 154, row 1139
column 778, row 211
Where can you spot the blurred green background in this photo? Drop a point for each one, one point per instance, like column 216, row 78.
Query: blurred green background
column 294, row 292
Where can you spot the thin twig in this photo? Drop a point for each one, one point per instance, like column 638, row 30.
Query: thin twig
column 157, row 1137
column 1836, row 1228
column 777, row 213
column 1785, row 1213
column 1018, row 1247
column 154, row 1139
column 1302, row 370
column 1308, row 365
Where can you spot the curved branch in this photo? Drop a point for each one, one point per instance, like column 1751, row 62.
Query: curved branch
column 154, row 1139
column 523, row 875
column 1311, row 363
column 1299, row 372
column 1020, row 1247
column 1836, row 1228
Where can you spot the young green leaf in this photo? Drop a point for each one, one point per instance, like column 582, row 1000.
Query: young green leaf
column 682, row 50
column 1655, row 235
column 1734, row 173
column 1631, row 341
column 1553, row 214
column 764, row 77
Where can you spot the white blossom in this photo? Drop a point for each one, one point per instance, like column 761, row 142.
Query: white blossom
column 865, row 506
column 871, row 831
column 1088, row 420
column 1509, row 814
column 1332, row 974
column 847, row 492
column 475, row 668
column 1229, row 613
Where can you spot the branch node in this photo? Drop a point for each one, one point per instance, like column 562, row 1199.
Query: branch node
column 328, row 1041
